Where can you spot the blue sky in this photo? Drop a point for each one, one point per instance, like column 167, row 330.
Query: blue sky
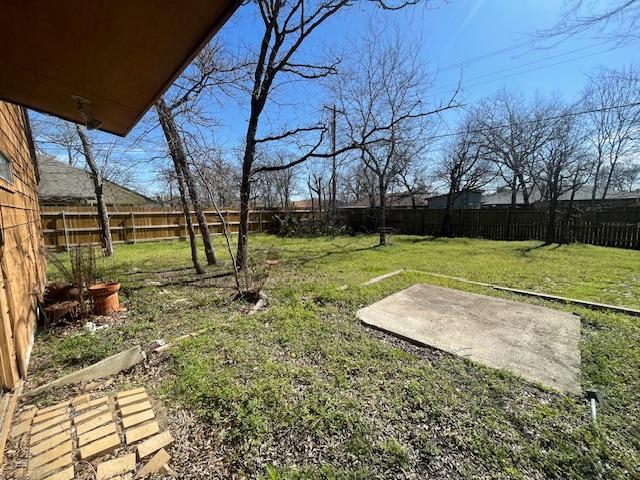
column 445, row 34
column 450, row 37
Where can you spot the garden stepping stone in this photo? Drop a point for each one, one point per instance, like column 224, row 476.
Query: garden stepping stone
column 100, row 447
column 62, row 462
column 49, row 443
column 37, row 438
column 154, row 444
column 66, row 474
column 128, row 393
column 111, row 468
column 49, row 423
column 136, row 408
column 96, row 434
column 133, row 420
column 140, row 397
column 47, row 457
column 141, row 432
column 84, row 429
column 94, row 423
column 154, row 465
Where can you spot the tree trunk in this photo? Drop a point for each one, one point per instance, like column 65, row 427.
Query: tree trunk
column 448, row 216
column 525, row 192
column 245, row 193
column 596, row 177
column 178, row 154
column 182, row 190
column 200, row 216
column 383, row 216
column 187, row 218
column 103, row 216
column 550, row 236
column 514, row 192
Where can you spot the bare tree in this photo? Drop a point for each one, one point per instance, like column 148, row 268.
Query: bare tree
column 627, row 179
column 214, row 169
column 414, row 181
column 613, row 99
column 560, row 166
column 318, row 183
column 286, row 27
column 53, row 132
column 385, row 86
column 512, row 130
column 98, row 183
column 212, row 68
column 360, row 183
column 465, row 168
column 581, row 16
column 178, row 155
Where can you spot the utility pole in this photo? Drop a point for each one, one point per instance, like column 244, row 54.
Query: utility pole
column 332, row 210
column 333, row 171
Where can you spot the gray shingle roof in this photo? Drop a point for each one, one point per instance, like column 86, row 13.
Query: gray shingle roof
column 62, row 183
column 582, row 194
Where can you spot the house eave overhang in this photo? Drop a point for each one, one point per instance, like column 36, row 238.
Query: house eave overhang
column 104, row 61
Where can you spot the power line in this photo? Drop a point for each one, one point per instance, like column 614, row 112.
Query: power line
column 452, row 85
column 528, row 122
column 486, row 55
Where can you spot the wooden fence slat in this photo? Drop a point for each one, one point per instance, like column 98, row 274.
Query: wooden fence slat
column 79, row 225
column 617, row 227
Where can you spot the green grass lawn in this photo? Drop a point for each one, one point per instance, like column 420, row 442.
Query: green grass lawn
column 302, row 390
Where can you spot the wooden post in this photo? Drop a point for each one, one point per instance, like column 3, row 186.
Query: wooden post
column 66, row 232
column 133, row 226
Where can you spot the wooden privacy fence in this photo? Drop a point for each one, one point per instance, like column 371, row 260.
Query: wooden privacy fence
column 70, row 226
column 614, row 228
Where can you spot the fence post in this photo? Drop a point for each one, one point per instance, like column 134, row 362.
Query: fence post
column 133, row 226
column 66, row 232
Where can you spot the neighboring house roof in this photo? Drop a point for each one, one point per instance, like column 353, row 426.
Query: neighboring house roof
column 305, row 203
column 582, row 194
column 461, row 193
column 62, row 183
column 402, row 199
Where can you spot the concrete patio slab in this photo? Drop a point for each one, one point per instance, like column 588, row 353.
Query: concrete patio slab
column 537, row 343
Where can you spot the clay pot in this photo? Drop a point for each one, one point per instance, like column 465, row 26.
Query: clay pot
column 105, row 298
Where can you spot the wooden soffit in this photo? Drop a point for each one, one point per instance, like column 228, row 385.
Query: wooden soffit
column 100, row 61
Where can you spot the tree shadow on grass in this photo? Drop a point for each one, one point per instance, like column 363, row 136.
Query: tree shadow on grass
column 440, row 239
column 188, row 281
column 157, row 272
column 527, row 250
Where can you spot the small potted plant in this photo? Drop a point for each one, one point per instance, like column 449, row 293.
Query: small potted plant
column 104, row 296
column 273, row 257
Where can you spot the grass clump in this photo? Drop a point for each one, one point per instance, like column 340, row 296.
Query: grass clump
column 81, row 349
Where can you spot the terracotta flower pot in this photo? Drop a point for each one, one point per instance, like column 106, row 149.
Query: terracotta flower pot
column 105, row 298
